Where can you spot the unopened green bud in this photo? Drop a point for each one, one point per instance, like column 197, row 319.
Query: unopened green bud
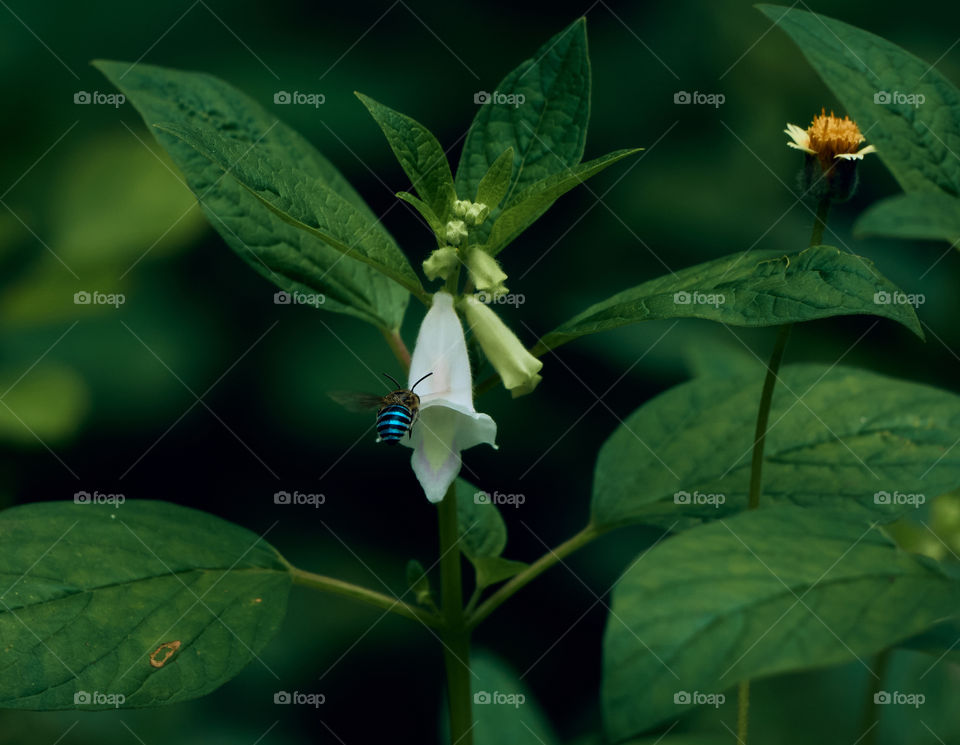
column 485, row 272
column 460, row 206
column 455, row 232
column 518, row 369
column 441, row 262
column 476, row 213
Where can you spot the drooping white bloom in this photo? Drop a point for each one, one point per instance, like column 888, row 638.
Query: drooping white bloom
column 448, row 423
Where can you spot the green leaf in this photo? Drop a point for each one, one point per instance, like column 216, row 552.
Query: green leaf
column 915, row 142
column 419, row 582
column 547, row 131
column 483, row 535
column 925, row 215
column 941, row 641
column 764, row 592
column 91, row 592
column 511, row 714
column 494, row 569
column 424, row 209
column 290, row 258
column 419, row 153
column 496, row 181
column 291, row 195
column 758, row 288
column 524, row 208
column 852, row 435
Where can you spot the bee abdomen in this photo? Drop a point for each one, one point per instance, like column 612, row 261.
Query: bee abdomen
column 393, row 422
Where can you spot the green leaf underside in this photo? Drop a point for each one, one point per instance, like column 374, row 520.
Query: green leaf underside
column 924, row 215
column 303, row 203
column 90, row 591
column 547, row 132
column 483, row 533
column 508, row 722
column 483, row 537
column 719, row 604
column 915, row 142
column 524, row 208
column 853, row 434
column 419, row 153
column 760, row 288
column 289, row 257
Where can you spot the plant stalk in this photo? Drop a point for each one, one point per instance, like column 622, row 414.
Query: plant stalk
column 399, row 349
column 454, row 633
column 532, row 572
column 364, row 595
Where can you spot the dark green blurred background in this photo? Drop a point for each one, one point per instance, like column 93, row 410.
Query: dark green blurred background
column 107, row 400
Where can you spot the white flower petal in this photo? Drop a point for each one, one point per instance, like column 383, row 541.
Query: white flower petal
column 800, row 137
column 795, row 146
column 442, row 350
column 447, row 422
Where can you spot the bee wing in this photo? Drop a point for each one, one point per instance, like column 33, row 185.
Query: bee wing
column 354, row 401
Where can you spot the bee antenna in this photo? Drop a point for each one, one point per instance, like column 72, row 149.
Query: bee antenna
column 394, row 380
column 420, row 381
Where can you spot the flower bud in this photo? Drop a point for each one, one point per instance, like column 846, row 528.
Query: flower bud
column 476, row 213
column 441, row 262
column 518, row 369
column 485, row 272
column 456, row 231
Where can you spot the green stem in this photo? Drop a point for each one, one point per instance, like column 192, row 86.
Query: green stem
column 364, row 595
column 532, row 572
column 455, row 634
column 759, row 441
column 763, row 416
column 820, row 222
column 743, row 711
column 399, row 349
column 756, row 485
column 870, row 708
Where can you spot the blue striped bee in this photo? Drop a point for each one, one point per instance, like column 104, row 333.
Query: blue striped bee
column 396, row 412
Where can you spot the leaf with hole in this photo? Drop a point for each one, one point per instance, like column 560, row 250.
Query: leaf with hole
column 146, row 602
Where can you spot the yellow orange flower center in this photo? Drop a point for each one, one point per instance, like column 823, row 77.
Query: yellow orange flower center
column 831, row 136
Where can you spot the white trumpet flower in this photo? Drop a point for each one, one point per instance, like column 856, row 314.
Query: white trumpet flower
column 447, row 423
